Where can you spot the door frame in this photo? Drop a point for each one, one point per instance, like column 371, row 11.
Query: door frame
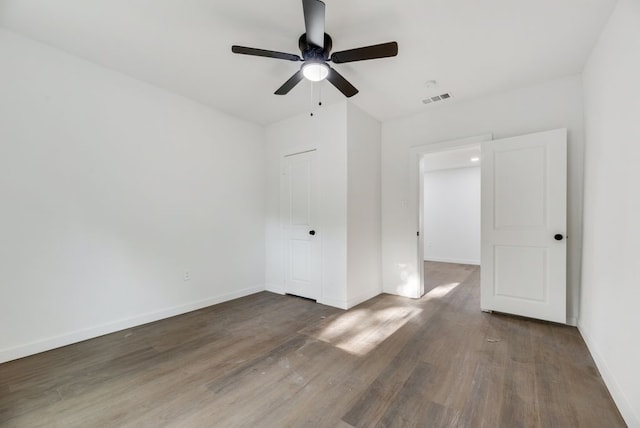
column 416, row 191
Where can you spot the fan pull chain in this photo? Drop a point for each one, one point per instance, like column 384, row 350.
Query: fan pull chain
column 311, row 99
column 313, row 106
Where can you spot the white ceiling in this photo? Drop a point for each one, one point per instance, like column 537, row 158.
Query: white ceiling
column 470, row 47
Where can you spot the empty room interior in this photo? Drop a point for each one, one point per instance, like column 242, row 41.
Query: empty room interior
column 305, row 213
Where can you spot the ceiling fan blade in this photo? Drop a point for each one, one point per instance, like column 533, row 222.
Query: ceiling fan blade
column 289, row 84
column 314, row 13
column 263, row 52
column 341, row 83
column 383, row 50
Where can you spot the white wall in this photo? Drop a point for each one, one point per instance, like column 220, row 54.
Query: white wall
column 325, row 132
column 364, row 274
column 549, row 105
column 451, row 215
column 609, row 316
column 111, row 188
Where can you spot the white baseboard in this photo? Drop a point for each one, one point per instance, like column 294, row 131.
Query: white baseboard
column 340, row 304
column 573, row 322
column 275, row 288
column 408, row 292
column 619, row 397
column 355, row 301
column 458, row 261
column 91, row 332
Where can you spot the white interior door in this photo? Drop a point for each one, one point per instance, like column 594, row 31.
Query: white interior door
column 524, row 192
column 299, row 210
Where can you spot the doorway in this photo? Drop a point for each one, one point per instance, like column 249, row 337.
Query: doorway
column 417, row 165
column 450, row 212
column 523, row 222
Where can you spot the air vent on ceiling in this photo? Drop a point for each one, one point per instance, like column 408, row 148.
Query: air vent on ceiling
column 436, row 98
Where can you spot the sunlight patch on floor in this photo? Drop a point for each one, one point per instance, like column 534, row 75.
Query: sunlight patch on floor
column 440, row 291
column 360, row 331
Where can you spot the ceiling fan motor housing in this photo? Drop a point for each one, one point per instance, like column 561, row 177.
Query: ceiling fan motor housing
column 311, row 52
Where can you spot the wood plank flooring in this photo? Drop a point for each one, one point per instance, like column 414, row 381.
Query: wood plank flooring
column 281, row 361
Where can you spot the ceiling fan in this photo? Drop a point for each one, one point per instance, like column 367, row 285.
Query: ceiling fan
column 315, row 46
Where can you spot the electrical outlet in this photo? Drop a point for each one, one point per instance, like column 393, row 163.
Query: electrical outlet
column 186, row 276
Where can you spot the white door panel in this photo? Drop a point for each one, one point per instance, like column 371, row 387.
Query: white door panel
column 523, row 209
column 528, row 165
column 299, row 208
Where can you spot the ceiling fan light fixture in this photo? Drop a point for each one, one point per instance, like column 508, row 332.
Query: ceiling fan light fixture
column 315, row 46
column 315, row 71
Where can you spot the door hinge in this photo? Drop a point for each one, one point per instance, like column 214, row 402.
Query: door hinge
column 418, row 233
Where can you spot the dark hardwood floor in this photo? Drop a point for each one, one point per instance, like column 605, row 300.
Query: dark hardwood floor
column 281, row 361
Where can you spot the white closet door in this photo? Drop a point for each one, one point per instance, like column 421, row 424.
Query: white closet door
column 299, row 208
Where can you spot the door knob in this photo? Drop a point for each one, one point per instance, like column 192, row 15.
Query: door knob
column 312, row 232
column 558, row 237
